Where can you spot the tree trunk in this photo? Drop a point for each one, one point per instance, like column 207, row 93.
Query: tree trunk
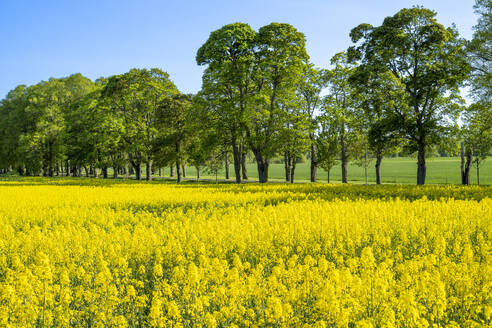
column 379, row 158
column 236, row 156
column 86, row 171
column 138, row 173
column 105, row 172
column 67, row 170
column 197, row 172
column 244, row 169
column 344, row 171
column 478, row 173
column 262, row 165
column 94, row 170
column 148, row 170
column 344, row 155
column 178, row 171
column 314, row 162
column 172, row 171
column 421, row 167
column 466, row 162
column 462, row 163
column 20, row 169
column 344, row 161
column 160, row 172
column 227, row 166
column 292, row 170
column 50, row 167
column 115, row 172
column 287, row 166
column 328, row 173
column 183, row 165
column 365, row 166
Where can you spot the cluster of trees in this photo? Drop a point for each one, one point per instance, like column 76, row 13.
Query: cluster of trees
column 396, row 89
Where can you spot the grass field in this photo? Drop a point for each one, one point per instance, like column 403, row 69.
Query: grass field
column 120, row 253
column 440, row 170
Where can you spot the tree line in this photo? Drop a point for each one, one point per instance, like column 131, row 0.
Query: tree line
column 397, row 88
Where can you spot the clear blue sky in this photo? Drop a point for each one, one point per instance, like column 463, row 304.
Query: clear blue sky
column 47, row 38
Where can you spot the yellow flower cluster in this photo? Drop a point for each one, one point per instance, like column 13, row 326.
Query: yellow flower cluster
column 161, row 255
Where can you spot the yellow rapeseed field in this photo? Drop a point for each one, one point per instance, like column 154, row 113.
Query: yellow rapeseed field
column 101, row 254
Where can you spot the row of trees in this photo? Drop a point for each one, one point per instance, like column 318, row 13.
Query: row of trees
column 396, row 88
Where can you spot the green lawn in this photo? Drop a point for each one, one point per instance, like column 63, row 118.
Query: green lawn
column 440, row 170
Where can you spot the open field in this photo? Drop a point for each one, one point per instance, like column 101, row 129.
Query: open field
column 103, row 253
column 440, row 170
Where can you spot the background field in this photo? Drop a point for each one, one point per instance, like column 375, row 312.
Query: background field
column 440, row 170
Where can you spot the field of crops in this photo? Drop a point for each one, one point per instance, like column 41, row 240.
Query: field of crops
column 103, row 254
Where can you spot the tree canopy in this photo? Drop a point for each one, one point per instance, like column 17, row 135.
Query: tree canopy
column 397, row 89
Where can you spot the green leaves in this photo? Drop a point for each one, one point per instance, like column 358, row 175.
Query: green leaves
column 249, row 82
column 232, row 43
column 427, row 60
column 480, row 53
column 136, row 97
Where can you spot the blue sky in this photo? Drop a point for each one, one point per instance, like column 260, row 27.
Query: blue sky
column 47, row 38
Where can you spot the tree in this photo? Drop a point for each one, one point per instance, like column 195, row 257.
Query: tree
column 362, row 155
column 48, row 103
column 377, row 96
column 94, row 133
column 477, row 135
column 227, row 82
column 313, row 82
column 198, row 140
column 173, row 119
column 135, row 97
column 13, row 123
column 281, row 58
column 294, row 136
column 480, row 53
column 339, row 104
column 428, row 60
column 327, row 145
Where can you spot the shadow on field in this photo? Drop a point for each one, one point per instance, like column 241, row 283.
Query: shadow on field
column 298, row 191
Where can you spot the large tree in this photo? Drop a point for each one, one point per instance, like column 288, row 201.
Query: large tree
column 47, row 103
column 135, row 97
column 174, row 118
column 340, row 105
column 377, row 95
column 94, row 134
column 429, row 60
column 13, row 123
column 480, row 52
column 313, row 82
column 281, row 59
column 228, row 84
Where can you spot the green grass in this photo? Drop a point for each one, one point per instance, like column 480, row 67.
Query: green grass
column 440, row 170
